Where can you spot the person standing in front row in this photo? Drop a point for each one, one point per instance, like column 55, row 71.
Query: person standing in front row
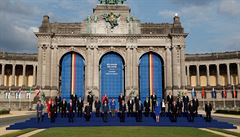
column 130, row 107
column 157, row 112
column 53, row 112
column 64, row 108
column 80, row 106
column 39, row 109
column 90, row 100
column 163, row 107
column 139, row 111
column 71, row 111
column 191, row 112
column 208, row 110
column 174, row 112
column 97, row 105
column 122, row 111
column 147, row 107
column 196, row 105
column 105, row 110
column 87, row 112
column 113, row 107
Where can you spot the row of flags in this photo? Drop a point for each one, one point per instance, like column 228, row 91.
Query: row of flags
column 214, row 93
column 28, row 92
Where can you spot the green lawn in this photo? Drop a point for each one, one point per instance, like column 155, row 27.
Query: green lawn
column 124, row 132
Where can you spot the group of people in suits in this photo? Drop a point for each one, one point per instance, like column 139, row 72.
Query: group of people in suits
column 150, row 107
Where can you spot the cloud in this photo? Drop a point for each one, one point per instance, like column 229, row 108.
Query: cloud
column 229, row 7
column 192, row 2
column 17, row 26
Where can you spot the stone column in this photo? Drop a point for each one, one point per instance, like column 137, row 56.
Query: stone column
column 96, row 71
column 175, row 77
column 169, row 68
column 208, row 75
column 24, row 75
column 34, row 75
column 134, row 69
column 198, row 76
column 188, row 76
column 228, row 74
column 88, row 69
column 218, row 74
column 39, row 69
column 3, row 70
column 13, row 74
column 128, row 69
column 183, row 68
column 238, row 72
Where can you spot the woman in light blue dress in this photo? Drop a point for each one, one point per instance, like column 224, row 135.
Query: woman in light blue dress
column 157, row 111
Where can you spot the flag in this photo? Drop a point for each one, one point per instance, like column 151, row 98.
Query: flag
column 203, row 92
column 19, row 92
column 193, row 93
column 37, row 91
column 234, row 92
column 224, row 93
column 214, row 93
column 43, row 97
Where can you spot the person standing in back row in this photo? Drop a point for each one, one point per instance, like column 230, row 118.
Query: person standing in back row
column 170, row 101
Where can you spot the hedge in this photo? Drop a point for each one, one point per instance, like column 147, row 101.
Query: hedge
column 4, row 111
column 234, row 112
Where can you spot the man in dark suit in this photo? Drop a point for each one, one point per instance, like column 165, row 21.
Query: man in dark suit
column 53, row 112
column 139, row 111
column 196, row 105
column 147, row 107
column 71, row 110
column 136, row 101
column 105, row 110
column 80, row 106
column 130, row 107
column 185, row 102
column 97, row 105
column 191, row 112
column 122, row 111
column 63, row 108
column 179, row 106
column 174, row 112
column 87, row 112
column 154, row 100
column 39, row 110
column 90, row 100
column 58, row 100
column 120, row 99
column 170, row 101
column 208, row 110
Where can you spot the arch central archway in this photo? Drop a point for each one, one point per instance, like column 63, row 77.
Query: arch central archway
column 72, row 75
column 151, row 75
column 111, row 75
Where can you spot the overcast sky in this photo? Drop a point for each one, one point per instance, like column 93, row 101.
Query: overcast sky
column 213, row 25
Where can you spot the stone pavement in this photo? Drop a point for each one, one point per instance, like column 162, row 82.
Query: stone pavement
column 216, row 132
column 13, row 117
column 32, row 133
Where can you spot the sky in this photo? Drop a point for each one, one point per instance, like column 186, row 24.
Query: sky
column 213, row 25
